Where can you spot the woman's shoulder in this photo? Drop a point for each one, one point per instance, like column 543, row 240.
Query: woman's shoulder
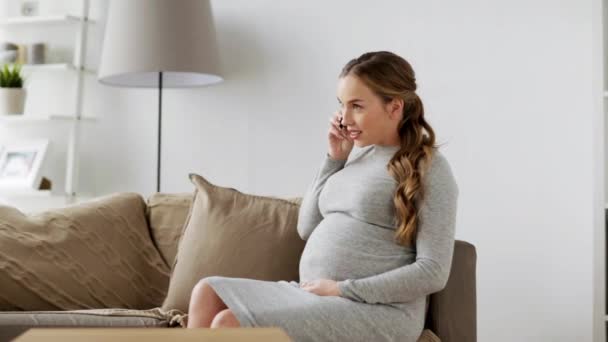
column 439, row 160
column 440, row 173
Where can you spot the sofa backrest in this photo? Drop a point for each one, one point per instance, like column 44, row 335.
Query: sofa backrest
column 452, row 314
column 166, row 214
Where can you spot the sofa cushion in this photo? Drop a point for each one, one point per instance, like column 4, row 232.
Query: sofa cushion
column 96, row 254
column 233, row 234
column 13, row 324
column 166, row 214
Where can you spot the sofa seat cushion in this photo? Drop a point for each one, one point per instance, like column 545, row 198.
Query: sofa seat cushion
column 14, row 323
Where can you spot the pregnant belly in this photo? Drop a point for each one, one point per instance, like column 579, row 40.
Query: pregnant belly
column 342, row 247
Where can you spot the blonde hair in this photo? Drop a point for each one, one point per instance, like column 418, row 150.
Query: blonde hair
column 390, row 76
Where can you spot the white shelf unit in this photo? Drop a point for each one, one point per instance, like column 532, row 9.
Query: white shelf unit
column 27, row 193
column 26, row 119
column 47, row 67
column 29, row 68
column 42, row 20
column 40, row 199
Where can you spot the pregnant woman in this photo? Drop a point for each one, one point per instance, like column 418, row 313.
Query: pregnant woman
column 379, row 224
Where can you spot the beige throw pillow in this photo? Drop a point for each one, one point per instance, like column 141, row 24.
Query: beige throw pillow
column 97, row 254
column 233, row 234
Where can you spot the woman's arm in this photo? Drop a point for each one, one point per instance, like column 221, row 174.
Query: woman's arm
column 309, row 215
column 434, row 248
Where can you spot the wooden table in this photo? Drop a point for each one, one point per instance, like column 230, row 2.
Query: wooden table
column 154, row 334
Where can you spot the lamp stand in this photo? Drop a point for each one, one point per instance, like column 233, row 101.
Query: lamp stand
column 160, row 115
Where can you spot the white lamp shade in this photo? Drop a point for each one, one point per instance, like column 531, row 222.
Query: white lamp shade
column 145, row 37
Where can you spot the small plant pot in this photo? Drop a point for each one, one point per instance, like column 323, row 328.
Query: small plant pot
column 12, row 101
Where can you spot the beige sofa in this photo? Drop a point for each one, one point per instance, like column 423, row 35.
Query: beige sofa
column 451, row 313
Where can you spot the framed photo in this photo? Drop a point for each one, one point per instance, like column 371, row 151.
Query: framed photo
column 20, row 164
column 29, row 8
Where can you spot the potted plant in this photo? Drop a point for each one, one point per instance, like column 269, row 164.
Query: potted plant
column 12, row 93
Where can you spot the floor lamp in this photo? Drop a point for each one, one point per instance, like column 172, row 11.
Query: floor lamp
column 159, row 44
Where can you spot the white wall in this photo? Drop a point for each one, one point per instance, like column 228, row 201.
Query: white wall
column 506, row 85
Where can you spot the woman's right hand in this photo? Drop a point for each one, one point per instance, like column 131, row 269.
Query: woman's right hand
column 340, row 144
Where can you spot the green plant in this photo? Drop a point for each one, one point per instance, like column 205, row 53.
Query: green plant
column 11, row 77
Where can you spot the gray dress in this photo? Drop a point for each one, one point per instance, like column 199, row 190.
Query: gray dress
column 346, row 218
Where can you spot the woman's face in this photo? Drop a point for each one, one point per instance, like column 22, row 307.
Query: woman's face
column 364, row 111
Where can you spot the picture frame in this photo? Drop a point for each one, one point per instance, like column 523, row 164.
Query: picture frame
column 20, row 164
column 29, row 8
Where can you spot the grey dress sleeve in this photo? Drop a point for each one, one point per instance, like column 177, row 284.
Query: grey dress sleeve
column 434, row 247
column 309, row 215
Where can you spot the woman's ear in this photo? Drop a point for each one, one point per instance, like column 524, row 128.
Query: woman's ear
column 395, row 108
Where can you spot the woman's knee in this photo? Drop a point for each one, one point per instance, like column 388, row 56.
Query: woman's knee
column 200, row 287
column 225, row 318
column 203, row 292
column 198, row 291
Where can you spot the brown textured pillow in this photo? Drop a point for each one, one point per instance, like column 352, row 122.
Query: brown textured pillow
column 233, row 234
column 167, row 215
column 97, row 254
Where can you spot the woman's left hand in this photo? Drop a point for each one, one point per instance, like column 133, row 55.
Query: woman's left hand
column 322, row 287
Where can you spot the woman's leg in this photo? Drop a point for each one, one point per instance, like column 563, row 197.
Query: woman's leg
column 225, row 319
column 204, row 305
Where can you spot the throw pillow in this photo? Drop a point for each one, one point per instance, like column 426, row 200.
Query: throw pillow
column 233, row 234
column 97, row 254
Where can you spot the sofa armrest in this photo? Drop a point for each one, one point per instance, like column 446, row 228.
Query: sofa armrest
column 452, row 311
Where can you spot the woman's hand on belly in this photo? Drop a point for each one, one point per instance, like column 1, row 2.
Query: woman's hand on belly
column 322, row 287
